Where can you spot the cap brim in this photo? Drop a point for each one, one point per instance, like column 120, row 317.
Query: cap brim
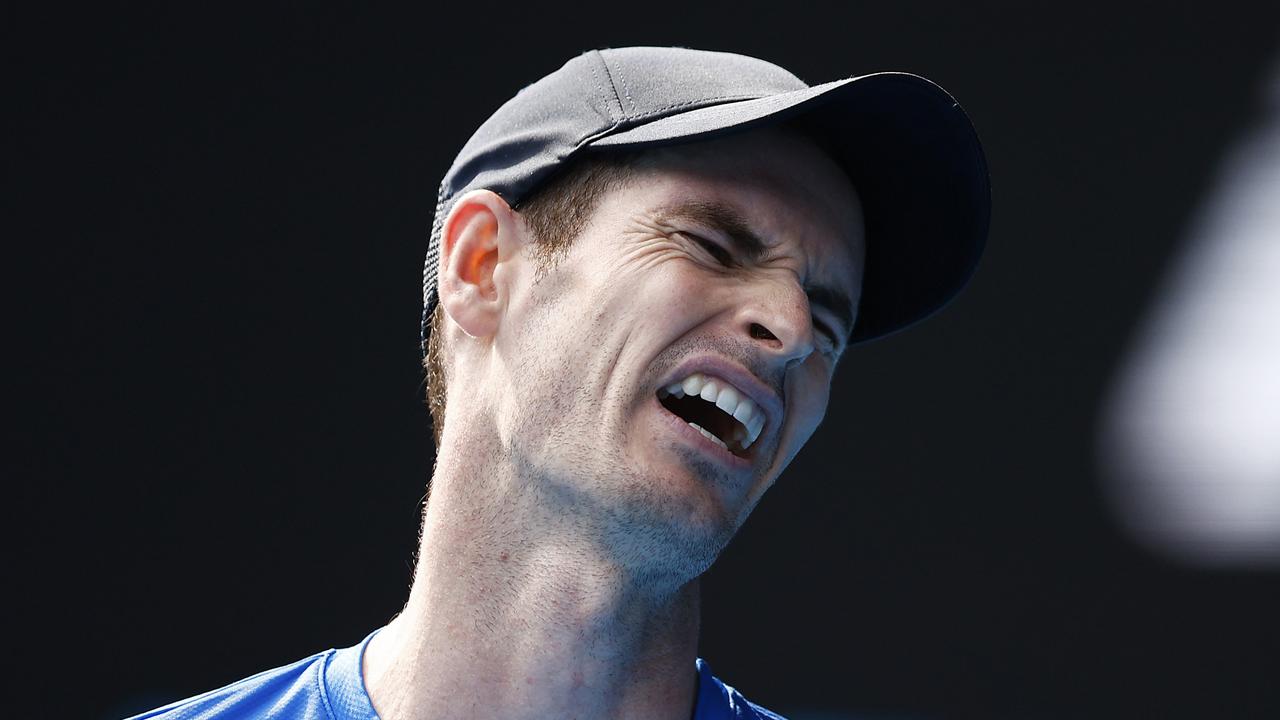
column 916, row 161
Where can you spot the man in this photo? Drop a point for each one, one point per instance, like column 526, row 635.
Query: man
column 643, row 271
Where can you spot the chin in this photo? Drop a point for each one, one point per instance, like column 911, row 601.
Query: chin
column 672, row 534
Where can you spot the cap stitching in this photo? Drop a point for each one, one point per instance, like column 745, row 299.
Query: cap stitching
column 706, row 102
column 622, row 110
column 600, row 89
column 625, row 90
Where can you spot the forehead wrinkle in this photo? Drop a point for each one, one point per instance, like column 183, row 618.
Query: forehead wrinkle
column 724, row 217
column 717, row 215
column 761, row 184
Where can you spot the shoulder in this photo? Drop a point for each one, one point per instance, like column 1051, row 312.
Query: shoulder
column 292, row 691
column 720, row 701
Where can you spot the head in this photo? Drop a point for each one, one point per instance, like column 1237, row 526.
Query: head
column 737, row 260
column 674, row 220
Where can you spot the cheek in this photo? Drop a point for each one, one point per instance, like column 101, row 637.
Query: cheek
column 613, row 322
column 812, row 393
column 813, row 416
column 661, row 293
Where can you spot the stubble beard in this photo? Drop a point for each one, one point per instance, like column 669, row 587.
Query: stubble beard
column 651, row 528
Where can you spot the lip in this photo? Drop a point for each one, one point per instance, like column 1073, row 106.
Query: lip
column 741, row 379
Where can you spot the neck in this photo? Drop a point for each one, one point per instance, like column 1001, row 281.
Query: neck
column 516, row 612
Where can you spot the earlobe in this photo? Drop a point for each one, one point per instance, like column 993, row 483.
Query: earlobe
column 475, row 235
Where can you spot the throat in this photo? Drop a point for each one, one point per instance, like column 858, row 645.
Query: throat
column 568, row 658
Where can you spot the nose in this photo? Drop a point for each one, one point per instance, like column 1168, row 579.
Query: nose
column 778, row 319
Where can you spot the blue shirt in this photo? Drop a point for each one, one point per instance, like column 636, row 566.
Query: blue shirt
column 330, row 686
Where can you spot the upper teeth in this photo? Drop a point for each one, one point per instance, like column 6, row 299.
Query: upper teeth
column 729, row 399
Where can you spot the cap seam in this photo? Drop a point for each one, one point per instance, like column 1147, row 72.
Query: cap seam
column 622, row 111
column 622, row 78
column 702, row 102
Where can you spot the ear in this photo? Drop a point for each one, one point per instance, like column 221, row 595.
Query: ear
column 480, row 232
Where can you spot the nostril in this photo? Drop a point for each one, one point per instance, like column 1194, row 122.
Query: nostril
column 760, row 332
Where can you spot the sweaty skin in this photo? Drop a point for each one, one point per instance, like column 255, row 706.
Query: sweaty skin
column 569, row 517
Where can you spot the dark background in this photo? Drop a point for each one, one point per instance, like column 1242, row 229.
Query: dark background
column 217, row 221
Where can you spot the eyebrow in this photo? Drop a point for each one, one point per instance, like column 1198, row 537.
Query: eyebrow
column 727, row 219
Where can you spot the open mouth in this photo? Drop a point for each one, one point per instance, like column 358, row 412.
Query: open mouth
column 721, row 412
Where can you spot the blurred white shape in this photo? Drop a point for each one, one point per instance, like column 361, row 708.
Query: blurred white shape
column 1191, row 439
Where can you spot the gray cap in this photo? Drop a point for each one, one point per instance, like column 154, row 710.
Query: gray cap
column 906, row 144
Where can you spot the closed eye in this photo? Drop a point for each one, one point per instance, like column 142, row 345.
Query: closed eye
column 721, row 255
column 818, row 314
column 825, row 329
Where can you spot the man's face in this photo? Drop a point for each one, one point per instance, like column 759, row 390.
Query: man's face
column 663, row 293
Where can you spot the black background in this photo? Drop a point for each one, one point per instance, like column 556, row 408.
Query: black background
column 216, row 221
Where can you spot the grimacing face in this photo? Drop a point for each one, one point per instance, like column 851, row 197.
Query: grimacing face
column 663, row 284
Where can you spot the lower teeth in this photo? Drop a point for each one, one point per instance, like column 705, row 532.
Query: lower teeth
column 710, row 436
